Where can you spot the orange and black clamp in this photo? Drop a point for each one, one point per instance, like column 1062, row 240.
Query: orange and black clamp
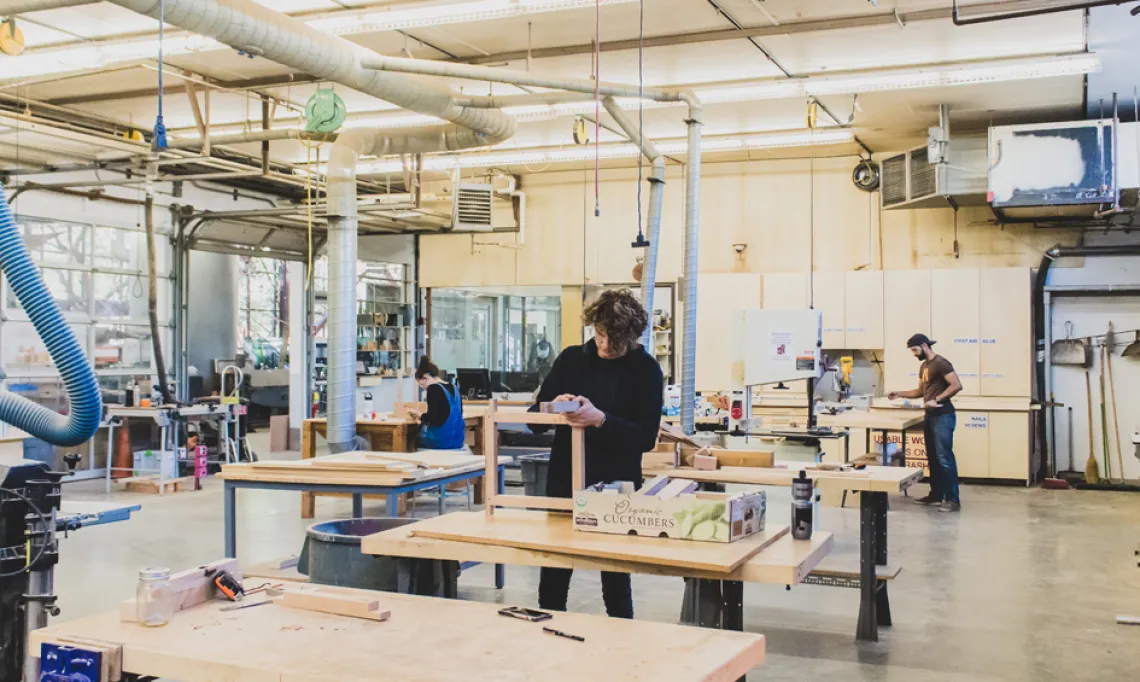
column 229, row 586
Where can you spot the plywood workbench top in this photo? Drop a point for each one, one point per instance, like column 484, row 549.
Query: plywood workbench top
column 425, row 640
column 873, row 478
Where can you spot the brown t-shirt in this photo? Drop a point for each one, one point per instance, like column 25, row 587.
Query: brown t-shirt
column 932, row 374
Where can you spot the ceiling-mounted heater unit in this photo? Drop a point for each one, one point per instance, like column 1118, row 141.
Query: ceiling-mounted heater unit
column 914, row 178
column 1052, row 171
column 472, row 207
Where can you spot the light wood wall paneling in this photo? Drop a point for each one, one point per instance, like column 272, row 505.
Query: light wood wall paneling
column 554, row 249
column 830, row 301
column 786, row 290
column 453, row 261
column 1006, row 334
column 571, row 316
column 906, row 302
column 864, row 304
column 954, row 301
column 719, row 296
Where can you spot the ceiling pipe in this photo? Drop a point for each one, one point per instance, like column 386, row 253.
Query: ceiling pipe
column 244, row 25
column 1052, row 9
column 426, row 67
column 20, row 6
column 653, row 219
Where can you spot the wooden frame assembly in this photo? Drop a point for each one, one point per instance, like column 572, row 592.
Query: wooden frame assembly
column 491, row 454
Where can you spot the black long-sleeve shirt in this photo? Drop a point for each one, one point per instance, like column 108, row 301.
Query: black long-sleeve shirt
column 438, row 405
column 629, row 390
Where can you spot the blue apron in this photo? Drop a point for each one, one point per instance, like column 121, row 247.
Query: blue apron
column 452, row 434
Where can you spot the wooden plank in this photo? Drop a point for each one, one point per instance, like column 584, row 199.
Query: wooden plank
column 577, row 458
column 864, row 304
column 427, row 640
column 738, row 458
column 308, row 451
column 784, row 562
column 529, row 418
column 873, row 478
column 555, row 533
column 311, row 598
column 192, row 586
column 532, row 502
column 490, row 455
column 432, row 459
column 150, row 484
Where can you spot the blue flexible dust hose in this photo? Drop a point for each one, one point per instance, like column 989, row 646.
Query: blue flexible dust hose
column 86, row 405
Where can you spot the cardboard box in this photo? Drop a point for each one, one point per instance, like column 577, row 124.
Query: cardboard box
column 718, row 517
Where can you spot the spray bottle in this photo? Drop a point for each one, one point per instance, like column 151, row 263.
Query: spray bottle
column 801, row 507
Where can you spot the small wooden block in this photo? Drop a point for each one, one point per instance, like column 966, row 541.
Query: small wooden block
column 559, row 407
column 149, row 484
column 314, row 599
column 705, row 462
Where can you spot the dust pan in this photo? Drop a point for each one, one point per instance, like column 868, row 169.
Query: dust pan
column 1070, row 351
column 1133, row 349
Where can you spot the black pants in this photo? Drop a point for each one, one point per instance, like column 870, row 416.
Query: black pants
column 554, row 588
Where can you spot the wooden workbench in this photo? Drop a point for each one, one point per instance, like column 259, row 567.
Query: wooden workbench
column 426, row 639
column 876, row 419
column 784, row 562
column 873, row 478
column 390, row 434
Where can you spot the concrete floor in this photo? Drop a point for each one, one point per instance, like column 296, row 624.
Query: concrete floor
column 1024, row 584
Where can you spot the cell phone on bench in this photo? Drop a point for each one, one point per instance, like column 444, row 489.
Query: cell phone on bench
column 521, row 613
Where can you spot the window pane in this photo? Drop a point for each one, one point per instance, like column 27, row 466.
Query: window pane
column 120, row 346
column 68, row 289
column 54, row 241
column 22, row 349
column 121, row 297
column 46, row 391
column 114, row 388
column 120, row 249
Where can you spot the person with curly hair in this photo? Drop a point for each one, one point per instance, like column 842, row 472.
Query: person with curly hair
column 619, row 388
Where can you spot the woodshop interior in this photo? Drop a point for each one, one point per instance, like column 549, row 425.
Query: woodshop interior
column 251, row 218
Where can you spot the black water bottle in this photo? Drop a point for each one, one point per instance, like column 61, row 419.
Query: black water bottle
column 801, row 507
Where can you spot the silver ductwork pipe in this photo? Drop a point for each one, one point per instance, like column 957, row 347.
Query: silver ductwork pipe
column 247, row 26
column 257, row 30
column 692, row 230
column 653, row 220
column 496, row 75
column 11, row 7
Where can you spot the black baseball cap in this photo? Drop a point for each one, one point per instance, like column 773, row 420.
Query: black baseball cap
column 918, row 340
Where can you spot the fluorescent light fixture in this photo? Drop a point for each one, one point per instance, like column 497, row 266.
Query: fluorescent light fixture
column 516, row 157
column 81, row 57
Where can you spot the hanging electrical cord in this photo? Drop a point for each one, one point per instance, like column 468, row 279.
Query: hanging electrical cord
column 597, row 105
column 640, row 112
column 158, row 142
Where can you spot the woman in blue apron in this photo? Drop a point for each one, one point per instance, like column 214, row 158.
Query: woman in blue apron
column 441, row 427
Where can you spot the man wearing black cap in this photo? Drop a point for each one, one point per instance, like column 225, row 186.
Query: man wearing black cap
column 937, row 384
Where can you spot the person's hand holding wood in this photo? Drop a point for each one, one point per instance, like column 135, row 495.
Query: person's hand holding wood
column 586, row 415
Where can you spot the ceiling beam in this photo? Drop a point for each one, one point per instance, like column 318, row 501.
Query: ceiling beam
column 140, row 93
column 785, row 28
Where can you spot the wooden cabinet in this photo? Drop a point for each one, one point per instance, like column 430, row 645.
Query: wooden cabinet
column 954, row 305
column 719, row 296
column 972, row 444
column 1006, row 344
column 863, row 294
column 830, row 301
column 1009, row 445
column 786, row 291
column 906, row 300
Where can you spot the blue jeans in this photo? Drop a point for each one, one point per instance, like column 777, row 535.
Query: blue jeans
column 939, row 431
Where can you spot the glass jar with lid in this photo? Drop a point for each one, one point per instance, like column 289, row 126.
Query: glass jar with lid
column 155, row 597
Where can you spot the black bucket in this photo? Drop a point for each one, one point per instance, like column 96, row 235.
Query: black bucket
column 534, row 469
column 332, row 556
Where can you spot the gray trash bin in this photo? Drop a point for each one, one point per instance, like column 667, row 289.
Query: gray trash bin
column 332, row 556
column 534, row 469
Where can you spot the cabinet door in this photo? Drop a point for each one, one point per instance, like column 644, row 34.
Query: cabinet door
column 906, row 295
column 972, row 444
column 718, row 297
column 786, row 291
column 1006, row 337
column 864, row 305
column 830, row 302
column 954, row 297
column 1009, row 445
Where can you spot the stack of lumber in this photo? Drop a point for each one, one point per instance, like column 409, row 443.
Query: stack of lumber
column 377, row 468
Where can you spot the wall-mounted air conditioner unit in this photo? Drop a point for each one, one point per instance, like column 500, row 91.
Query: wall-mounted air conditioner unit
column 472, row 207
column 1052, row 170
column 911, row 180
